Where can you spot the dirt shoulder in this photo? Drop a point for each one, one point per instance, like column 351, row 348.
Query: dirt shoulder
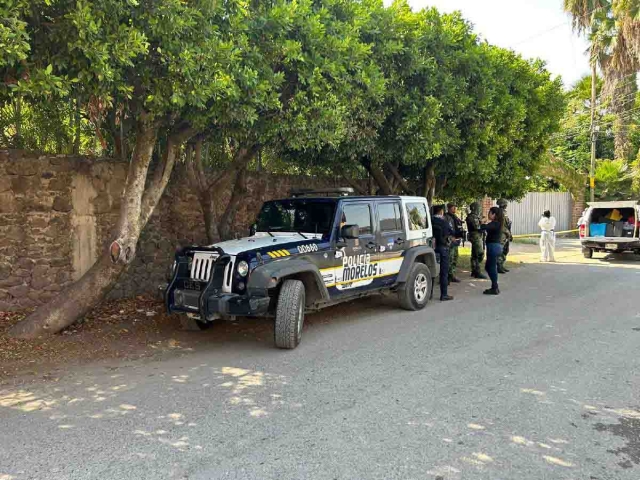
column 120, row 330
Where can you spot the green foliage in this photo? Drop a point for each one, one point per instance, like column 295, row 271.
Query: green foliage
column 14, row 39
column 613, row 180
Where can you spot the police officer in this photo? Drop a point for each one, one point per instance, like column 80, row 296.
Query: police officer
column 506, row 236
column 476, row 237
column 458, row 233
column 443, row 236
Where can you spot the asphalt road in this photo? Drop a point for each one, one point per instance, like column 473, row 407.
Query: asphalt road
column 540, row 383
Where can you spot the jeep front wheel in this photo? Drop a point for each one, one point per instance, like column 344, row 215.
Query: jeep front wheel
column 416, row 292
column 290, row 314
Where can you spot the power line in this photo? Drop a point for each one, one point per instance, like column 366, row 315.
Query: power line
column 555, row 27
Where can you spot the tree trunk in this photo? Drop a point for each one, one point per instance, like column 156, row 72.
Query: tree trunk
column 18, row 116
column 623, row 100
column 76, row 122
column 229, row 215
column 137, row 205
column 378, row 176
column 401, row 181
column 210, row 218
column 353, row 184
column 198, row 182
column 430, row 182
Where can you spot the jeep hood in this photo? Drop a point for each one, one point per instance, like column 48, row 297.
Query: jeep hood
column 262, row 240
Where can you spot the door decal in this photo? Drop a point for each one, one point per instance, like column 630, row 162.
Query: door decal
column 360, row 271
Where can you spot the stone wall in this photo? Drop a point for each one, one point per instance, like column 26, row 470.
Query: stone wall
column 57, row 212
column 579, row 204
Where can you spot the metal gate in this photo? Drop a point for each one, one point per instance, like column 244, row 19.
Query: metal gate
column 526, row 213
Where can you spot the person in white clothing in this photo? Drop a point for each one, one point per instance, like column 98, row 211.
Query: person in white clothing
column 547, row 237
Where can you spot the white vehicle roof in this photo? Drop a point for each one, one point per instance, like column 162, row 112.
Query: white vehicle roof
column 413, row 199
column 620, row 204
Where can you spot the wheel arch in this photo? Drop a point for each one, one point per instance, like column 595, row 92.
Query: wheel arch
column 422, row 254
column 269, row 278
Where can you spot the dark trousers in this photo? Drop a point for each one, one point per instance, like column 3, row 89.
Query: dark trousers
column 444, row 270
column 494, row 250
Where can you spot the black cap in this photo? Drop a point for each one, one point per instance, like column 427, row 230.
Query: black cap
column 451, row 204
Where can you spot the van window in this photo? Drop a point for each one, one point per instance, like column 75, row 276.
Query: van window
column 417, row 215
column 389, row 215
column 358, row 214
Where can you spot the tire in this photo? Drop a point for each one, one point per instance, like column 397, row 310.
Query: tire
column 289, row 314
column 587, row 252
column 416, row 292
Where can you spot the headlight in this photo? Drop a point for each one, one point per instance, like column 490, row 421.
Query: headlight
column 243, row 268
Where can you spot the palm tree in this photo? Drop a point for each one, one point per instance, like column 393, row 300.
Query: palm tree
column 614, row 34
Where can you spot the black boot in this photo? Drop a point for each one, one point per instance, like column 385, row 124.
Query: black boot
column 479, row 276
column 492, row 291
column 445, row 298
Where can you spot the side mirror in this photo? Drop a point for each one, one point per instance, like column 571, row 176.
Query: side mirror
column 253, row 229
column 350, row 231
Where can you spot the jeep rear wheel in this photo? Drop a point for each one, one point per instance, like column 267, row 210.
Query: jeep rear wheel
column 587, row 252
column 290, row 314
column 416, row 292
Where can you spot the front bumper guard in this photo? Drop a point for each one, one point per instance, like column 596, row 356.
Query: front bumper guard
column 210, row 301
column 219, row 304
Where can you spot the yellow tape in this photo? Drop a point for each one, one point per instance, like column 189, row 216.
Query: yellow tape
column 537, row 234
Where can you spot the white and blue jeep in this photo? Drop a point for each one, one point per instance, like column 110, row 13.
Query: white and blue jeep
column 312, row 250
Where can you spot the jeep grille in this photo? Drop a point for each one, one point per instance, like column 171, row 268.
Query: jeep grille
column 202, row 265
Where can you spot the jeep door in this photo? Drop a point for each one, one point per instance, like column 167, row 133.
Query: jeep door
column 355, row 258
column 392, row 240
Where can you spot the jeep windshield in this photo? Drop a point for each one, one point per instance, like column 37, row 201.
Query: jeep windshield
column 297, row 215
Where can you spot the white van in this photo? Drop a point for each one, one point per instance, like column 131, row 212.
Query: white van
column 610, row 227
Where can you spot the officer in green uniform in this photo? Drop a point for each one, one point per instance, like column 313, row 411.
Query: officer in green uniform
column 476, row 237
column 506, row 236
column 458, row 234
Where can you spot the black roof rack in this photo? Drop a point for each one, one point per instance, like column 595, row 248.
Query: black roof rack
column 329, row 192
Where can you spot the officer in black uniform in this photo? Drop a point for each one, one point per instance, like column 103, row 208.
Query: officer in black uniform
column 455, row 223
column 443, row 236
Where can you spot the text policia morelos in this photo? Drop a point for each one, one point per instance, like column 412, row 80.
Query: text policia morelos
column 358, row 267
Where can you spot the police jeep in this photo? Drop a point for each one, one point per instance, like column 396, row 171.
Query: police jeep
column 315, row 249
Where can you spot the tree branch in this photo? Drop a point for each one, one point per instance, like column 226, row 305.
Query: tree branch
column 352, row 184
column 401, row 181
column 378, row 176
column 162, row 173
column 241, row 158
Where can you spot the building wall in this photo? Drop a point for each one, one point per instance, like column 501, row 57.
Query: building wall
column 57, row 214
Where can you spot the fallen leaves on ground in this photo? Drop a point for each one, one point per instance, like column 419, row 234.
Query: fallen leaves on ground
column 115, row 329
column 124, row 329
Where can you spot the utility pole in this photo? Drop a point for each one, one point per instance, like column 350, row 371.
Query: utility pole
column 592, row 170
